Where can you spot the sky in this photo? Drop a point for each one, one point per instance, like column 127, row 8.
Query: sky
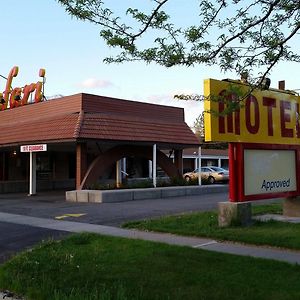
column 40, row 34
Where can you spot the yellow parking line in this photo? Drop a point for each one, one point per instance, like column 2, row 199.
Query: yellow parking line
column 69, row 215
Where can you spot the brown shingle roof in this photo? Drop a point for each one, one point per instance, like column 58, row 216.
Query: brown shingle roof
column 118, row 127
column 85, row 116
column 54, row 128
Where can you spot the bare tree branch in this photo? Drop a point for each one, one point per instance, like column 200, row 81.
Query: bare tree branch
column 153, row 14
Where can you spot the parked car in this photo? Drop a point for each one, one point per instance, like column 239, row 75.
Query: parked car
column 211, row 174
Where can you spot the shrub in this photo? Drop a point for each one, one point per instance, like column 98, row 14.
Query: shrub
column 147, row 183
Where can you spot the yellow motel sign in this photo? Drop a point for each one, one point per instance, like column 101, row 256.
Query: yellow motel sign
column 268, row 116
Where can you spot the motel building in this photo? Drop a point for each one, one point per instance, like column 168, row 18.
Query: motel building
column 208, row 157
column 77, row 141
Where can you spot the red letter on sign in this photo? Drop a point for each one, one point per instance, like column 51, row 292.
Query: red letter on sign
column 13, row 73
column 252, row 128
column 284, row 118
column 228, row 116
column 297, row 121
column 269, row 103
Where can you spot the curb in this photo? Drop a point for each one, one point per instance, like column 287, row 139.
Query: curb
column 124, row 195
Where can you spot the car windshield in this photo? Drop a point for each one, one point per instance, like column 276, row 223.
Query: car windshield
column 217, row 169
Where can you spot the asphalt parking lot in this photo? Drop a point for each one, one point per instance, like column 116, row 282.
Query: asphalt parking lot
column 53, row 205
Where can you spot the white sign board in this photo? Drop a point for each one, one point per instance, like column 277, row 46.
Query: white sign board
column 269, row 171
column 33, row 148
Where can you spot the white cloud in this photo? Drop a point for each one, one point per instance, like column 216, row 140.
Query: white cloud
column 94, row 83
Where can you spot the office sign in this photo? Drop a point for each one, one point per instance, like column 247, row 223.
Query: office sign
column 33, row 148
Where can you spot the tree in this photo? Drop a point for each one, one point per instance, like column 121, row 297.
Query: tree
column 199, row 129
column 248, row 37
column 199, row 126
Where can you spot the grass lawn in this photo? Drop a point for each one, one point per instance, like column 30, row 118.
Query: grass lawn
column 205, row 224
column 89, row 266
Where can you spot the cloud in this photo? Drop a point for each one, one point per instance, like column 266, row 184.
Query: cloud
column 164, row 99
column 94, row 83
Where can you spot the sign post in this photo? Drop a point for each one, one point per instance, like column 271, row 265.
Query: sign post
column 32, row 149
column 199, row 166
column 32, row 174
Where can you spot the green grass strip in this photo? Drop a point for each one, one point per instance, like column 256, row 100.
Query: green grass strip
column 88, row 267
column 205, row 224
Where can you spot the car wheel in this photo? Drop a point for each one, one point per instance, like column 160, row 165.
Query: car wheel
column 211, row 180
column 187, row 178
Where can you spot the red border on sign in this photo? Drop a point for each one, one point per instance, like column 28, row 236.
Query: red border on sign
column 236, row 171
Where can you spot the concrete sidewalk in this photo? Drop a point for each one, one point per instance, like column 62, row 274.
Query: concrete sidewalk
column 199, row 243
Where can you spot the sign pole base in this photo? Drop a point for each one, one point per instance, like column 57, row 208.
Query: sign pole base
column 234, row 214
column 291, row 206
